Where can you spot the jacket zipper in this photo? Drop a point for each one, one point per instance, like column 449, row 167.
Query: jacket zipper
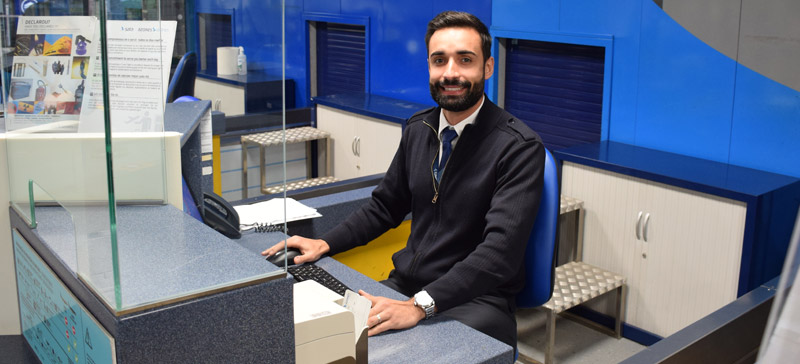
column 433, row 175
column 435, row 189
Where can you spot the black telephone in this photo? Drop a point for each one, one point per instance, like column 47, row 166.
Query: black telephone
column 220, row 215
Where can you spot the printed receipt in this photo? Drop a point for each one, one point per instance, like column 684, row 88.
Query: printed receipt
column 360, row 307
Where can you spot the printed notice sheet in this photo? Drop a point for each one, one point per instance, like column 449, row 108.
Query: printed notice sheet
column 49, row 72
column 139, row 60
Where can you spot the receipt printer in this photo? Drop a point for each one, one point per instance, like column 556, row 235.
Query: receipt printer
column 323, row 329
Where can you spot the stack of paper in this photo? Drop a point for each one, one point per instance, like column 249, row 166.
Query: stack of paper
column 273, row 211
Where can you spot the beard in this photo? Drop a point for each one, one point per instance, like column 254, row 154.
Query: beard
column 457, row 103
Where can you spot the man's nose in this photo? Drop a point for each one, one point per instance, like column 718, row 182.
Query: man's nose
column 451, row 70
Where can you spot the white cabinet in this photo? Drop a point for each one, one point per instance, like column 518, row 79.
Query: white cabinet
column 224, row 97
column 361, row 145
column 255, row 92
column 679, row 249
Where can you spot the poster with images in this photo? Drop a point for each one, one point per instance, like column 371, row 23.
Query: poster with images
column 139, row 61
column 49, row 71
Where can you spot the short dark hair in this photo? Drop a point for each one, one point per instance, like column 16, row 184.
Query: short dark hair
column 459, row 19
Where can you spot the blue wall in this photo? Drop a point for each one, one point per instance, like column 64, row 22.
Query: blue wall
column 669, row 90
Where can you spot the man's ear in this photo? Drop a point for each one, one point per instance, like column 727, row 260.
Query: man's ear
column 488, row 68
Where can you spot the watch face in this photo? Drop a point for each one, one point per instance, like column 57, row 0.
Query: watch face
column 423, row 299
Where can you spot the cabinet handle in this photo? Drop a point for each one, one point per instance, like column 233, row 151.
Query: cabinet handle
column 353, row 145
column 358, row 146
column 646, row 222
column 639, row 226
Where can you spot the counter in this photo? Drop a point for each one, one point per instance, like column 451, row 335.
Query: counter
column 166, row 253
column 376, row 106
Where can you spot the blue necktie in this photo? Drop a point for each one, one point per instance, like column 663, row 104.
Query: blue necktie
column 447, row 147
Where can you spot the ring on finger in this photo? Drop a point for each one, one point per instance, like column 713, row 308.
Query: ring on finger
column 379, row 318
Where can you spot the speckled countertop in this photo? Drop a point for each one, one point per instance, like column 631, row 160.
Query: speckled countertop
column 163, row 252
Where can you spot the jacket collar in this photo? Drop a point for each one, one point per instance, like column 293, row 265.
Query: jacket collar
column 487, row 119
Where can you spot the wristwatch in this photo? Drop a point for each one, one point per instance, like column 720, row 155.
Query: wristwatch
column 424, row 301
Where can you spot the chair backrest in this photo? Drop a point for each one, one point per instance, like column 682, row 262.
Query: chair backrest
column 182, row 82
column 541, row 251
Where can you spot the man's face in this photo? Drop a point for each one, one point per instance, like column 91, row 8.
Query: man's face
column 456, row 67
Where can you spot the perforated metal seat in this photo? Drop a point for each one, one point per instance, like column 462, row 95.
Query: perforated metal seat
column 578, row 282
column 304, row 134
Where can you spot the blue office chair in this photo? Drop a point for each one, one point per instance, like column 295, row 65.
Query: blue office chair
column 540, row 255
column 182, row 82
column 540, row 262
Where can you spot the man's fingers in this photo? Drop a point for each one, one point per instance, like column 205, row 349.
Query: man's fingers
column 375, row 330
column 368, row 296
column 379, row 323
column 300, row 259
column 273, row 249
column 291, row 243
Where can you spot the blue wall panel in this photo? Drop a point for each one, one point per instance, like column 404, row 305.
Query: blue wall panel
column 297, row 49
column 481, row 9
column 766, row 124
column 521, row 15
column 685, row 99
column 400, row 67
column 321, row 6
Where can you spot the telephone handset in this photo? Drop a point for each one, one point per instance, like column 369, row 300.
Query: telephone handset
column 220, row 215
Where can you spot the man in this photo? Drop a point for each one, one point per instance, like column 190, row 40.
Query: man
column 471, row 213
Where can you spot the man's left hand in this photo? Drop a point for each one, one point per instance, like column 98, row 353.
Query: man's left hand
column 388, row 314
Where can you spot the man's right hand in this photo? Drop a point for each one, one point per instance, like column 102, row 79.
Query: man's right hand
column 311, row 249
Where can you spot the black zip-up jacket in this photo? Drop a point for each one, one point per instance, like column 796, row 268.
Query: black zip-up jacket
column 469, row 232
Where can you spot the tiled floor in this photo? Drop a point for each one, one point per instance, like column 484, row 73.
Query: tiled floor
column 575, row 343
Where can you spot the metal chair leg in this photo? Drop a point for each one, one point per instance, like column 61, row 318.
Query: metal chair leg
column 579, row 235
column 550, row 333
column 244, row 170
column 620, row 310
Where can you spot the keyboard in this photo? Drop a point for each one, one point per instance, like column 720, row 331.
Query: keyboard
column 305, row 272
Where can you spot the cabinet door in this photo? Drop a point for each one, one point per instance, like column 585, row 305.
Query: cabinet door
column 230, row 98
column 377, row 144
column 342, row 127
column 691, row 256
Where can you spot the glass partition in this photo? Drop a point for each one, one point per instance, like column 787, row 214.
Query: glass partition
column 84, row 104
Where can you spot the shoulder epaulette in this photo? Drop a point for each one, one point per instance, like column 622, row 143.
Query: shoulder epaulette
column 419, row 115
column 522, row 129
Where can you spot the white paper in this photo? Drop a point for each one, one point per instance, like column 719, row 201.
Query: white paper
column 139, row 60
column 360, row 307
column 271, row 212
column 206, row 136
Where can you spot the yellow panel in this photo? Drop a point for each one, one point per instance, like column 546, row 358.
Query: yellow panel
column 374, row 260
column 216, row 165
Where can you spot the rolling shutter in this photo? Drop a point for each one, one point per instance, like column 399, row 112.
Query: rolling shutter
column 340, row 58
column 557, row 89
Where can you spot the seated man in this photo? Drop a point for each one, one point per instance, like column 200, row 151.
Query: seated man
column 473, row 194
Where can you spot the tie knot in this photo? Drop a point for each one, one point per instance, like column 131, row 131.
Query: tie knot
column 448, row 135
